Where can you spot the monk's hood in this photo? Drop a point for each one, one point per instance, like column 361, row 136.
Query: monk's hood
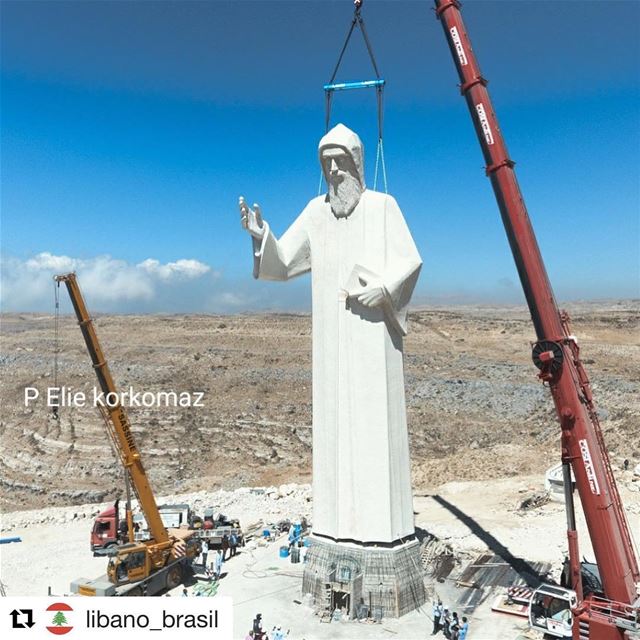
column 345, row 139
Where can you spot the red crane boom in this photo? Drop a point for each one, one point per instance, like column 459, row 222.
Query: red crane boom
column 555, row 353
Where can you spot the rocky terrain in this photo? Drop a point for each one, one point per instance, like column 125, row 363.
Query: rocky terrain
column 475, row 408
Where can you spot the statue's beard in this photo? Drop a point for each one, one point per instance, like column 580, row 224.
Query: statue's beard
column 344, row 194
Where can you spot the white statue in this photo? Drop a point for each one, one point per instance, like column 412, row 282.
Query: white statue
column 364, row 266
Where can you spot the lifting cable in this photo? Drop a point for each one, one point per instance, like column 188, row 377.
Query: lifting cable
column 101, row 409
column 378, row 84
column 56, row 342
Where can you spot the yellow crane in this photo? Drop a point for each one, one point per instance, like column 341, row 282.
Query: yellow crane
column 149, row 566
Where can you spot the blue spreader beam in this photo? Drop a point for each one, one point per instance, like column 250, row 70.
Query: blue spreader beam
column 344, row 86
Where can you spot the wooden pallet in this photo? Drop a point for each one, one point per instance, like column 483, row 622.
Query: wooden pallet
column 502, row 605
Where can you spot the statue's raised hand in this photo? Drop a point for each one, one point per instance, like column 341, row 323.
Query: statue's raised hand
column 251, row 219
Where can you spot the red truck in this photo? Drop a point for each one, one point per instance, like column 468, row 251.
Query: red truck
column 108, row 530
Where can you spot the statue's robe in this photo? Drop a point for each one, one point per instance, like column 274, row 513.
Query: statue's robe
column 361, row 466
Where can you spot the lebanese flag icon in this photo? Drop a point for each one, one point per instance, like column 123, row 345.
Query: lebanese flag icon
column 59, row 623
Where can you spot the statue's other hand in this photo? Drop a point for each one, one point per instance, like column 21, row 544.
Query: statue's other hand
column 372, row 295
column 251, row 219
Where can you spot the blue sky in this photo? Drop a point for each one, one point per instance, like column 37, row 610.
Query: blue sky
column 129, row 129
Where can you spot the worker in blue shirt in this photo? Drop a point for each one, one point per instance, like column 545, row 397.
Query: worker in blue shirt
column 464, row 629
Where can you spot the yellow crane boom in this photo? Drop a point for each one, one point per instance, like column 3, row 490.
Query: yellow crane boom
column 117, row 416
column 161, row 555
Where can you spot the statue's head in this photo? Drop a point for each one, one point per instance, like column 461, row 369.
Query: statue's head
column 342, row 160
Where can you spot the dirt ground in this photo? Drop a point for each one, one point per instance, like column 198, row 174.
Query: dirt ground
column 471, row 517
column 476, row 410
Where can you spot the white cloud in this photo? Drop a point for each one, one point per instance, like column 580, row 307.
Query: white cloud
column 27, row 284
column 108, row 279
column 150, row 286
column 180, row 268
column 46, row 260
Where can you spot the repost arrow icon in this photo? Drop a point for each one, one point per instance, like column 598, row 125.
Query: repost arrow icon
column 17, row 613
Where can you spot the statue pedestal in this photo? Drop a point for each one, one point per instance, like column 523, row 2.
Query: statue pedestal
column 368, row 581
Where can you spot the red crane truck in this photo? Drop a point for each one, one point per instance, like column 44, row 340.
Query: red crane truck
column 572, row 611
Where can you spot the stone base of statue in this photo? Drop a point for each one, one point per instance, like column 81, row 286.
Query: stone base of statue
column 364, row 581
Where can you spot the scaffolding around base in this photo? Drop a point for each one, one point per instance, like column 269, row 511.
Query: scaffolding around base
column 363, row 582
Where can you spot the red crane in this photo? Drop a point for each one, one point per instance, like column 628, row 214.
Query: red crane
column 605, row 616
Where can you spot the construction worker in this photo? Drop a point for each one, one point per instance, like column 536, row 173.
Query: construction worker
column 258, row 633
column 217, row 563
column 454, row 627
column 445, row 621
column 123, row 531
column 233, row 544
column 278, row 633
column 464, row 629
column 205, row 553
column 437, row 611
column 225, row 546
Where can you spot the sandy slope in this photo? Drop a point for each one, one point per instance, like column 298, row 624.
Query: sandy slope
column 475, row 408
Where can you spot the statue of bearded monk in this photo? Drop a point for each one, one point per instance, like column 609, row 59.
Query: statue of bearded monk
column 364, row 266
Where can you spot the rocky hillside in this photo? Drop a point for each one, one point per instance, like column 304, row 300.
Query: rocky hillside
column 475, row 407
